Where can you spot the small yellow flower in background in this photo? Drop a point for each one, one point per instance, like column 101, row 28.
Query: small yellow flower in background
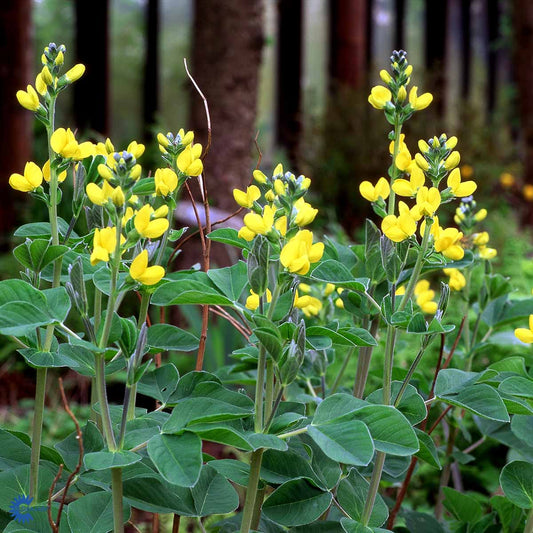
column 252, row 302
column 46, row 173
column 419, row 102
column 32, row 178
column 150, row 229
column 507, row 180
column 374, row 193
column 28, row 99
column 427, row 201
column 457, row 281
column 447, row 242
column 460, row 189
column 480, row 215
column 330, row 288
column 259, row 177
column 189, row 161
column 141, row 272
column 527, row 191
column 306, row 213
column 99, row 195
column 379, row 96
column 104, row 243
column 258, row 224
column 309, row 305
column 75, row 73
column 487, row 253
column 525, row 335
column 424, row 297
column 467, row 171
column 400, row 291
column 480, row 239
column 409, row 187
column 165, row 180
column 401, row 227
column 298, row 254
column 452, row 160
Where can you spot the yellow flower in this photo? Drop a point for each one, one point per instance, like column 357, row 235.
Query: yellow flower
column 452, row 160
column 451, row 143
column 480, row 215
column 487, row 253
column 32, row 178
column 46, row 173
column 278, row 171
column 423, row 146
column 402, row 93
column 281, row 225
column 165, row 180
column 97, row 195
column 40, row 85
column 75, row 73
column 374, row 193
column 127, row 215
column 460, row 189
column 117, row 196
column 104, row 171
column 104, row 243
column 161, row 212
column 189, row 161
column 398, row 228
column 424, row 297
column 141, row 272
column 135, row 149
column 135, row 172
column 385, row 76
column 46, row 76
column 260, row 224
column 247, row 199
column 427, row 201
column 150, row 229
column 306, row 213
column 419, row 102
column 28, row 99
column 259, row 177
column 525, row 335
column 379, row 96
column 457, row 281
column 527, row 191
column 507, row 180
column 186, row 138
column 403, row 159
column 298, row 254
column 401, row 144
column 421, row 162
column 252, row 302
column 480, row 239
column 447, row 242
column 409, row 187
column 64, row 143
column 330, row 288
column 310, row 305
column 279, row 187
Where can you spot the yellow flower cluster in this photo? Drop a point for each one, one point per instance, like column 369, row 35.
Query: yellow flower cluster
column 480, row 240
column 181, row 152
column 424, row 296
column 457, row 281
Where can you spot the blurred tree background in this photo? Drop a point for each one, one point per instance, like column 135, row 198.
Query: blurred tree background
column 296, row 71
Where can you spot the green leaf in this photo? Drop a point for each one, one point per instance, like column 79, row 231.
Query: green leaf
column 522, row 427
column 230, row 280
column 516, row 481
column 516, row 365
column 428, row 451
column 102, row 279
column 93, row 513
column 20, row 318
column 278, row 467
column 296, row 502
column 226, row 434
column 351, row 526
column 337, row 407
column 69, row 447
column 58, row 303
column 160, row 383
column 144, row 186
column 39, row 359
column 188, row 292
column 327, row 470
column 343, row 337
column 37, row 254
column 501, row 310
column 104, row 459
column 81, row 359
column 352, row 493
column 178, row 458
column 228, row 236
column 43, row 229
column 509, row 514
column 169, row 338
column 517, row 386
column 464, row 507
column 422, row 523
column 213, row 493
column 331, row 271
column 271, row 340
column 236, row 471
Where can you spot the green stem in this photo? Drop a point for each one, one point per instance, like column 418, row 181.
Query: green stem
column 396, row 150
column 269, row 389
column 251, row 491
column 388, row 364
column 344, row 365
column 259, row 390
column 103, row 404
column 256, row 515
column 97, row 308
column 116, row 488
column 40, row 389
column 292, row 433
column 363, row 363
column 373, row 488
column 529, row 523
column 164, row 239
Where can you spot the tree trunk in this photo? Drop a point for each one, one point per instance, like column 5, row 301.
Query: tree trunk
column 91, row 92
column 289, row 73
column 15, row 73
column 493, row 23
column 151, row 69
column 348, row 43
column 523, row 52
column 466, row 48
column 227, row 45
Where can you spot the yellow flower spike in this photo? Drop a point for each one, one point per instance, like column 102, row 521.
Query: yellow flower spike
column 40, row 85
column 135, row 172
column 166, row 181
column 480, row 215
column 135, row 149
column 457, row 280
column 309, row 305
column 260, row 224
column 452, row 160
column 403, row 159
column 97, row 195
column 399, row 228
column 28, row 99
column 278, row 170
column 163, row 140
column 507, row 180
column 281, row 225
column 385, row 76
column 104, row 243
column 379, row 96
column 460, row 189
column 402, row 93
column 186, row 138
column 279, row 187
column 75, row 73
column 252, row 302
column 451, row 143
column 480, row 239
column 487, row 253
column 409, row 187
column 423, row 146
column 104, row 171
column 189, row 161
column 421, row 162
column 259, row 177
column 141, row 272
column 150, row 229
column 427, row 201
column 306, row 213
column 419, row 102
column 374, row 193
column 525, row 335
column 299, row 252
column 32, row 178
column 447, row 242
column 46, row 173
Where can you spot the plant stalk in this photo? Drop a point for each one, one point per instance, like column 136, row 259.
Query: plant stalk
column 40, row 390
column 116, row 487
column 396, row 150
column 529, row 523
column 251, row 491
column 373, row 488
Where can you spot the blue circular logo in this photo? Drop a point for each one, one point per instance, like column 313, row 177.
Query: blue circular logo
column 20, row 509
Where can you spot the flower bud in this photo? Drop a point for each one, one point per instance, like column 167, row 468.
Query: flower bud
column 423, row 146
column 402, row 94
column 60, row 58
column 75, row 73
column 385, row 76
